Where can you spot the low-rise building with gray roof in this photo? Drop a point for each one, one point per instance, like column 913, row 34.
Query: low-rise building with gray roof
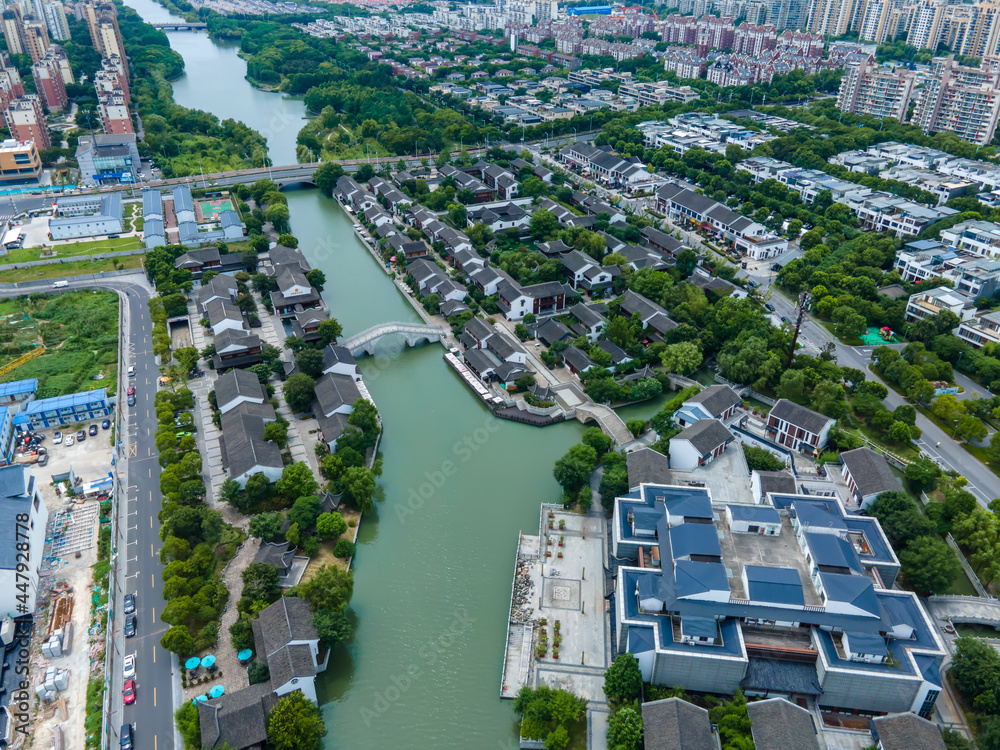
column 237, row 387
column 675, row 724
column 699, row 444
column 777, row 724
column 867, row 474
column 906, row 731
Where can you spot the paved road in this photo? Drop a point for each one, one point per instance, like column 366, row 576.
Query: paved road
column 137, row 562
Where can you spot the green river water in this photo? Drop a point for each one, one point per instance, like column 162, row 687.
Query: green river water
column 435, row 559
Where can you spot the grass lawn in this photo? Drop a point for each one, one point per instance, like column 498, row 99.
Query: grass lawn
column 848, row 340
column 80, row 334
column 977, row 631
column 962, row 586
column 910, row 451
column 70, row 249
column 72, row 268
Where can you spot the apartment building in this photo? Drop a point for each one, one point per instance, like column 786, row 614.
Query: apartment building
column 35, row 35
column 19, row 162
column 870, row 89
column 960, row 99
column 753, row 39
column 934, row 301
column 883, row 212
column 874, row 22
column 925, row 24
column 831, row 17
column 971, row 274
column 26, row 122
column 55, row 19
column 48, row 77
column 11, row 20
column 981, row 330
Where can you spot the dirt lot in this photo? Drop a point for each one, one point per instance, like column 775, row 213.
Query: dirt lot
column 90, row 459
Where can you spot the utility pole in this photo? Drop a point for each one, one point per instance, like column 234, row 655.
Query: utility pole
column 803, row 299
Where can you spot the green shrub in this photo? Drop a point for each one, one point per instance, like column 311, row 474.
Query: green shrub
column 344, row 548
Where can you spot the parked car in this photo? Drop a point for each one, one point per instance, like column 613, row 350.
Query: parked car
column 128, row 667
column 81, row 435
column 106, row 424
column 131, row 400
column 92, row 430
column 131, row 390
column 185, row 433
column 57, row 438
column 130, row 625
column 69, row 441
column 43, row 459
column 768, row 306
column 129, row 603
column 131, row 371
column 126, row 737
column 128, row 692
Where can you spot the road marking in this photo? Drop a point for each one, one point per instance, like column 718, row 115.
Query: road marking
column 151, row 553
column 154, row 697
column 154, row 738
column 154, row 655
column 152, row 584
column 150, row 521
column 154, row 614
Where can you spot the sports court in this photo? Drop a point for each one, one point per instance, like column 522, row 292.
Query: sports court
column 209, row 210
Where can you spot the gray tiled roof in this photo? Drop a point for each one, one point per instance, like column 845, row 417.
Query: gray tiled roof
column 236, row 383
column 334, row 355
column 288, row 619
column 237, row 719
column 334, row 391
column 871, row 473
column 648, row 466
column 776, row 481
column 243, row 441
column 706, row 435
column 587, row 315
column 907, row 732
column 674, row 724
column 799, row 416
column 289, row 662
column 717, row 399
column 779, row 725
column 274, row 553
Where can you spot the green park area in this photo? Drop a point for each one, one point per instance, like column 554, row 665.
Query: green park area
column 70, row 268
column 72, row 249
column 79, row 332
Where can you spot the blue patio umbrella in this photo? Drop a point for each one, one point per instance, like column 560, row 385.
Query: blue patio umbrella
column 192, row 663
column 199, row 699
column 244, row 654
column 216, row 691
column 208, row 661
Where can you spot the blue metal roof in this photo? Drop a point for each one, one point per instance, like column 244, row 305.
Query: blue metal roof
column 695, row 539
column 694, row 578
column 689, row 502
column 699, row 627
column 17, row 387
column 817, row 515
column 774, row 585
column 867, row 643
column 756, row 513
column 830, row 550
column 640, row 640
column 854, row 590
column 15, row 497
column 66, row 402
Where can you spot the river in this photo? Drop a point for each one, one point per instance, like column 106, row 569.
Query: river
column 435, row 559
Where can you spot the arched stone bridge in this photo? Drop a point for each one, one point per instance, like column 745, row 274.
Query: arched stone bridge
column 966, row 610
column 413, row 333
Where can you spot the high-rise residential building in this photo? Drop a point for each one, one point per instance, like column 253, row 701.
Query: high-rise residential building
column 925, row 24
column 11, row 19
column 49, row 83
column 983, row 36
column 960, row 99
column 873, row 25
column 958, row 24
column 754, row 40
column 55, row 19
column 115, row 118
column 831, row 17
column 26, row 121
column 869, row 89
column 788, row 14
column 36, row 38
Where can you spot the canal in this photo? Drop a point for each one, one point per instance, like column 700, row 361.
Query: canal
column 435, row 558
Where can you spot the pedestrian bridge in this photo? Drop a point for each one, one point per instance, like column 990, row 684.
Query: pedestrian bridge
column 968, row 610
column 606, row 417
column 414, row 333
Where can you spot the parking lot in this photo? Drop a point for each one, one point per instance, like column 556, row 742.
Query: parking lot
column 89, row 460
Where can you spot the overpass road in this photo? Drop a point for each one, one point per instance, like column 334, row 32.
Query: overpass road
column 135, row 562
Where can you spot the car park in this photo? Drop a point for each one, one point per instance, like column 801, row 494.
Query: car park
column 128, row 692
column 92, row 430
column 81, row 435
column 130, row 625
column 129, row 603
column 106, row 424
column 57, row 438
column 128, row 667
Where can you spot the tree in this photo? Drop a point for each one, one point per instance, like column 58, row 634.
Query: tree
column 297, row 481
column 558, row 738
column 929, row 565
column 596, row 439
column 849, row 321
column 326, row 177
column 277, row 214
column 258, row 489
column 573, row 470
column 899, row 433
column 277, row 433
column 358, row 485
column 178, row 640
column 994, row 450
column 329, row 589
column 686, row 262
column 636, row 426
column 975, row 670
column 305, row 511
column 544, row 225
column 333, row 628
column 623, row 680
column 364, row 416
column 299, row 391
column 317, row 278
column 922, row 474
column 230, row 492
column 186, row 719
column 187, row 358
column 947, row 408
column 793, row 385
column 330, row 525
column 682, row 358
column 625, row 729
column 266, row 526
column 260, row 582
column 296, row 724
column 900, row 518
column 761, row 459
column 310, row 361
column 971, row 429
column 329, row 331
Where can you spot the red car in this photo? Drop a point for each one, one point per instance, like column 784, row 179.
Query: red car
column 128, row 692
column 131, row 390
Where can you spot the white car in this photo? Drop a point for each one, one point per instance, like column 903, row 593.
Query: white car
column 57, row 438
column 128, row 667
column 70, row 440
column 131, row 371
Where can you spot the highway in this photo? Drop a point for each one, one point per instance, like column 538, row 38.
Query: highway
column 136, row 559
